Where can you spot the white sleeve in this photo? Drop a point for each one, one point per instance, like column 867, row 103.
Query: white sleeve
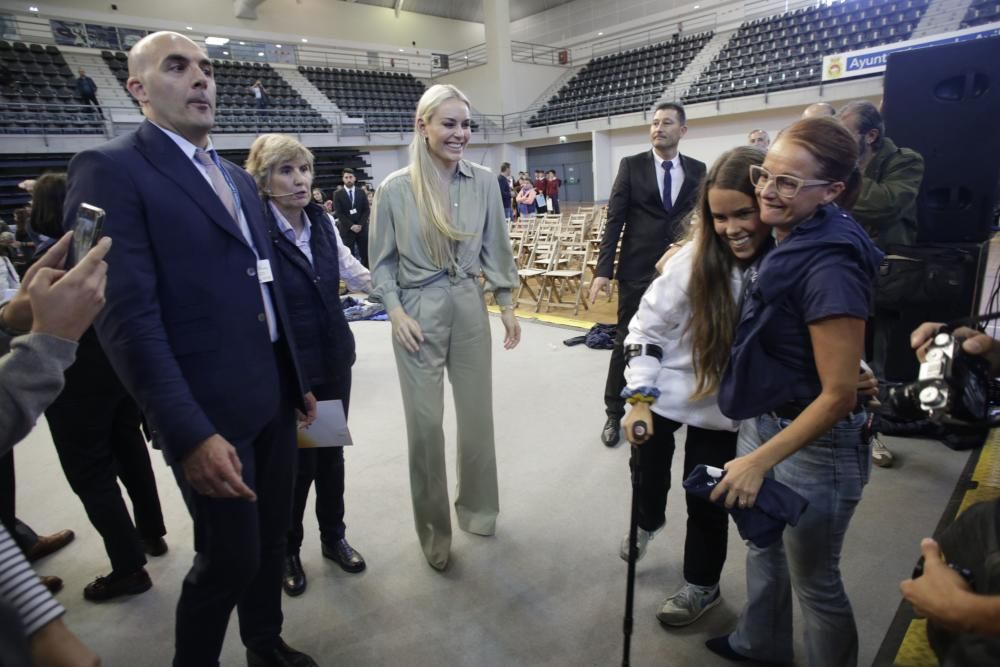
column 661, row 318
column 352, row 272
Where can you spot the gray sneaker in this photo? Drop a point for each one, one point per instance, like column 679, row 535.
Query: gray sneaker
column 688, row 604
column 642, row 538
column 881, row 456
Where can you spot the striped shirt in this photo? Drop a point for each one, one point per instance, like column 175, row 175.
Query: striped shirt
column 21, row 589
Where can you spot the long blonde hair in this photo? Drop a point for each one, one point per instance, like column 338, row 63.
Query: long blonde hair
column 434, row 214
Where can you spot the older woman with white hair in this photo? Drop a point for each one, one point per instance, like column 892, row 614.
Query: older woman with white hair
column 439, row 225
column 310, row 261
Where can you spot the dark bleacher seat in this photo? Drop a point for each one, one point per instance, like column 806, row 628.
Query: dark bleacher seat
column 795, row 63
column 621, row 83
column 981, row 12
column 386, row 100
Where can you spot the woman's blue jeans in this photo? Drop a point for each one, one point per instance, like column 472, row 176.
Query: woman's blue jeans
column 830, row 473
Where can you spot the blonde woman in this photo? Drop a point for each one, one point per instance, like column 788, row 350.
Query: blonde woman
column 439, row 224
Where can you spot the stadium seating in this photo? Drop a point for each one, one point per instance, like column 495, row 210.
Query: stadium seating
column 621, row 83
column 980, row 12
column 786, row 51
column 236, row 110
column 38, row 93
column 386, row 100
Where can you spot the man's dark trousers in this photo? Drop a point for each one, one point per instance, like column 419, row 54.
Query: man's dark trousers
column 629, row 296
column 229, row 569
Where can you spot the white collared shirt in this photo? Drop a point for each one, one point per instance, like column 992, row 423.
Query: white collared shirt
column 189, row 150
column 676, row 175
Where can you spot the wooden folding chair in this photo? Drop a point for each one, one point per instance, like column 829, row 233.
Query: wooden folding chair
column 543, row 254
column 566, row 278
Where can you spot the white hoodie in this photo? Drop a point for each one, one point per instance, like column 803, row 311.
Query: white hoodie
column 662, row 320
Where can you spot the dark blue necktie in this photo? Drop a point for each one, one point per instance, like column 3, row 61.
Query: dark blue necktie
column 667, row 185
column 350, row 193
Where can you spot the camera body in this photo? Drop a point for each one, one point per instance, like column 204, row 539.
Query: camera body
column 952, row 386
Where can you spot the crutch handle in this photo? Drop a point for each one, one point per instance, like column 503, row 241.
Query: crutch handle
column 639, row 430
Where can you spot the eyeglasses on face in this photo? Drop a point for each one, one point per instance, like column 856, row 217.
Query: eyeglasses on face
column 786, row 186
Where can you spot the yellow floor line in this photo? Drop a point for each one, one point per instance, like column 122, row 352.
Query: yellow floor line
column 914, row 650
column 548, row 319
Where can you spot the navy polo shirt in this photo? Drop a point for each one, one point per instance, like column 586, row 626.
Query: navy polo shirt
column 825, row 267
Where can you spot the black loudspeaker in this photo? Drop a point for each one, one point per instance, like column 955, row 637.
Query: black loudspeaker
column 923, row 283
column 944, row 102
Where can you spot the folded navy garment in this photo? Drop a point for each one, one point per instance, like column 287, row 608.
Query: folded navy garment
column 761, row 524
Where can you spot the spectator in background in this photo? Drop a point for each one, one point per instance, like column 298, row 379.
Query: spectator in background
column 95, row 426
column 653, row 195
column 890, row 178
column 308, row 249
column 819, row 110
column 541, row 203
column 886, row 208
column 41, row 325
column 318, row 196
column 505, row 195
column 552, row 190
column 526, row 197
column 760, row 139
column 353, row 211
column 86, row 90
column 10, row 279
column 259, row 94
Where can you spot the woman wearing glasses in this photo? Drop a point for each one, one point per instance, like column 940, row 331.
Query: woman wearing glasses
column 793, row 371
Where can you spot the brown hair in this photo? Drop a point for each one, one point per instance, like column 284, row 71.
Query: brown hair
column 47, row 200
column 834, row 148
column 714, row 311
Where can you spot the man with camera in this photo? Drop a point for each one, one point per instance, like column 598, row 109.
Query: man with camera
column 963, row 624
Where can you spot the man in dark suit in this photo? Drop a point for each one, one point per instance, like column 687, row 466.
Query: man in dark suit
column 650, row 201
column 351, row 205
column 197, row 332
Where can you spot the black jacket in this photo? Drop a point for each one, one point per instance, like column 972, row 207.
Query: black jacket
column 636, row 210
column 323, row 339
column 342, row 206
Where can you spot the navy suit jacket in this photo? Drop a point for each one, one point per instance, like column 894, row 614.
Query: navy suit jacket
column 184, row 323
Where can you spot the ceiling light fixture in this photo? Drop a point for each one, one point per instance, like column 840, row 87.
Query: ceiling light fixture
column 277, row 46
column 260, row 53
column 243, row 43
column 32, row 8
column 600, row 34
column 401, row 50
column 304, row 40
column 216, row 41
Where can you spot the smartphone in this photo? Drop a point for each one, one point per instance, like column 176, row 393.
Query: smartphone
column 86, row 232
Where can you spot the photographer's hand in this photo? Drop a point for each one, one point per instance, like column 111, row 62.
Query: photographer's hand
column 940, row 594
column 976, row 342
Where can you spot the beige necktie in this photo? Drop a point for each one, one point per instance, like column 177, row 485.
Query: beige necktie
column 218, row 181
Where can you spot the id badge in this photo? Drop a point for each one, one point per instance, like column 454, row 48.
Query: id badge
column 353, row 211
column 264, row 274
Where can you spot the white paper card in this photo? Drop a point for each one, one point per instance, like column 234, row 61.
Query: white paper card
column 329, row 429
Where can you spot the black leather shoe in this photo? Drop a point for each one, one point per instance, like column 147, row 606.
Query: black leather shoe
column 294, row 582
column 116, row 585
column 611, row 433
column 154, row 546
column 345, row 556
column 281, row 655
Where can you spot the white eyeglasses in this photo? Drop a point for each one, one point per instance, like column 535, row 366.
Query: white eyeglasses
column 786, row 186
